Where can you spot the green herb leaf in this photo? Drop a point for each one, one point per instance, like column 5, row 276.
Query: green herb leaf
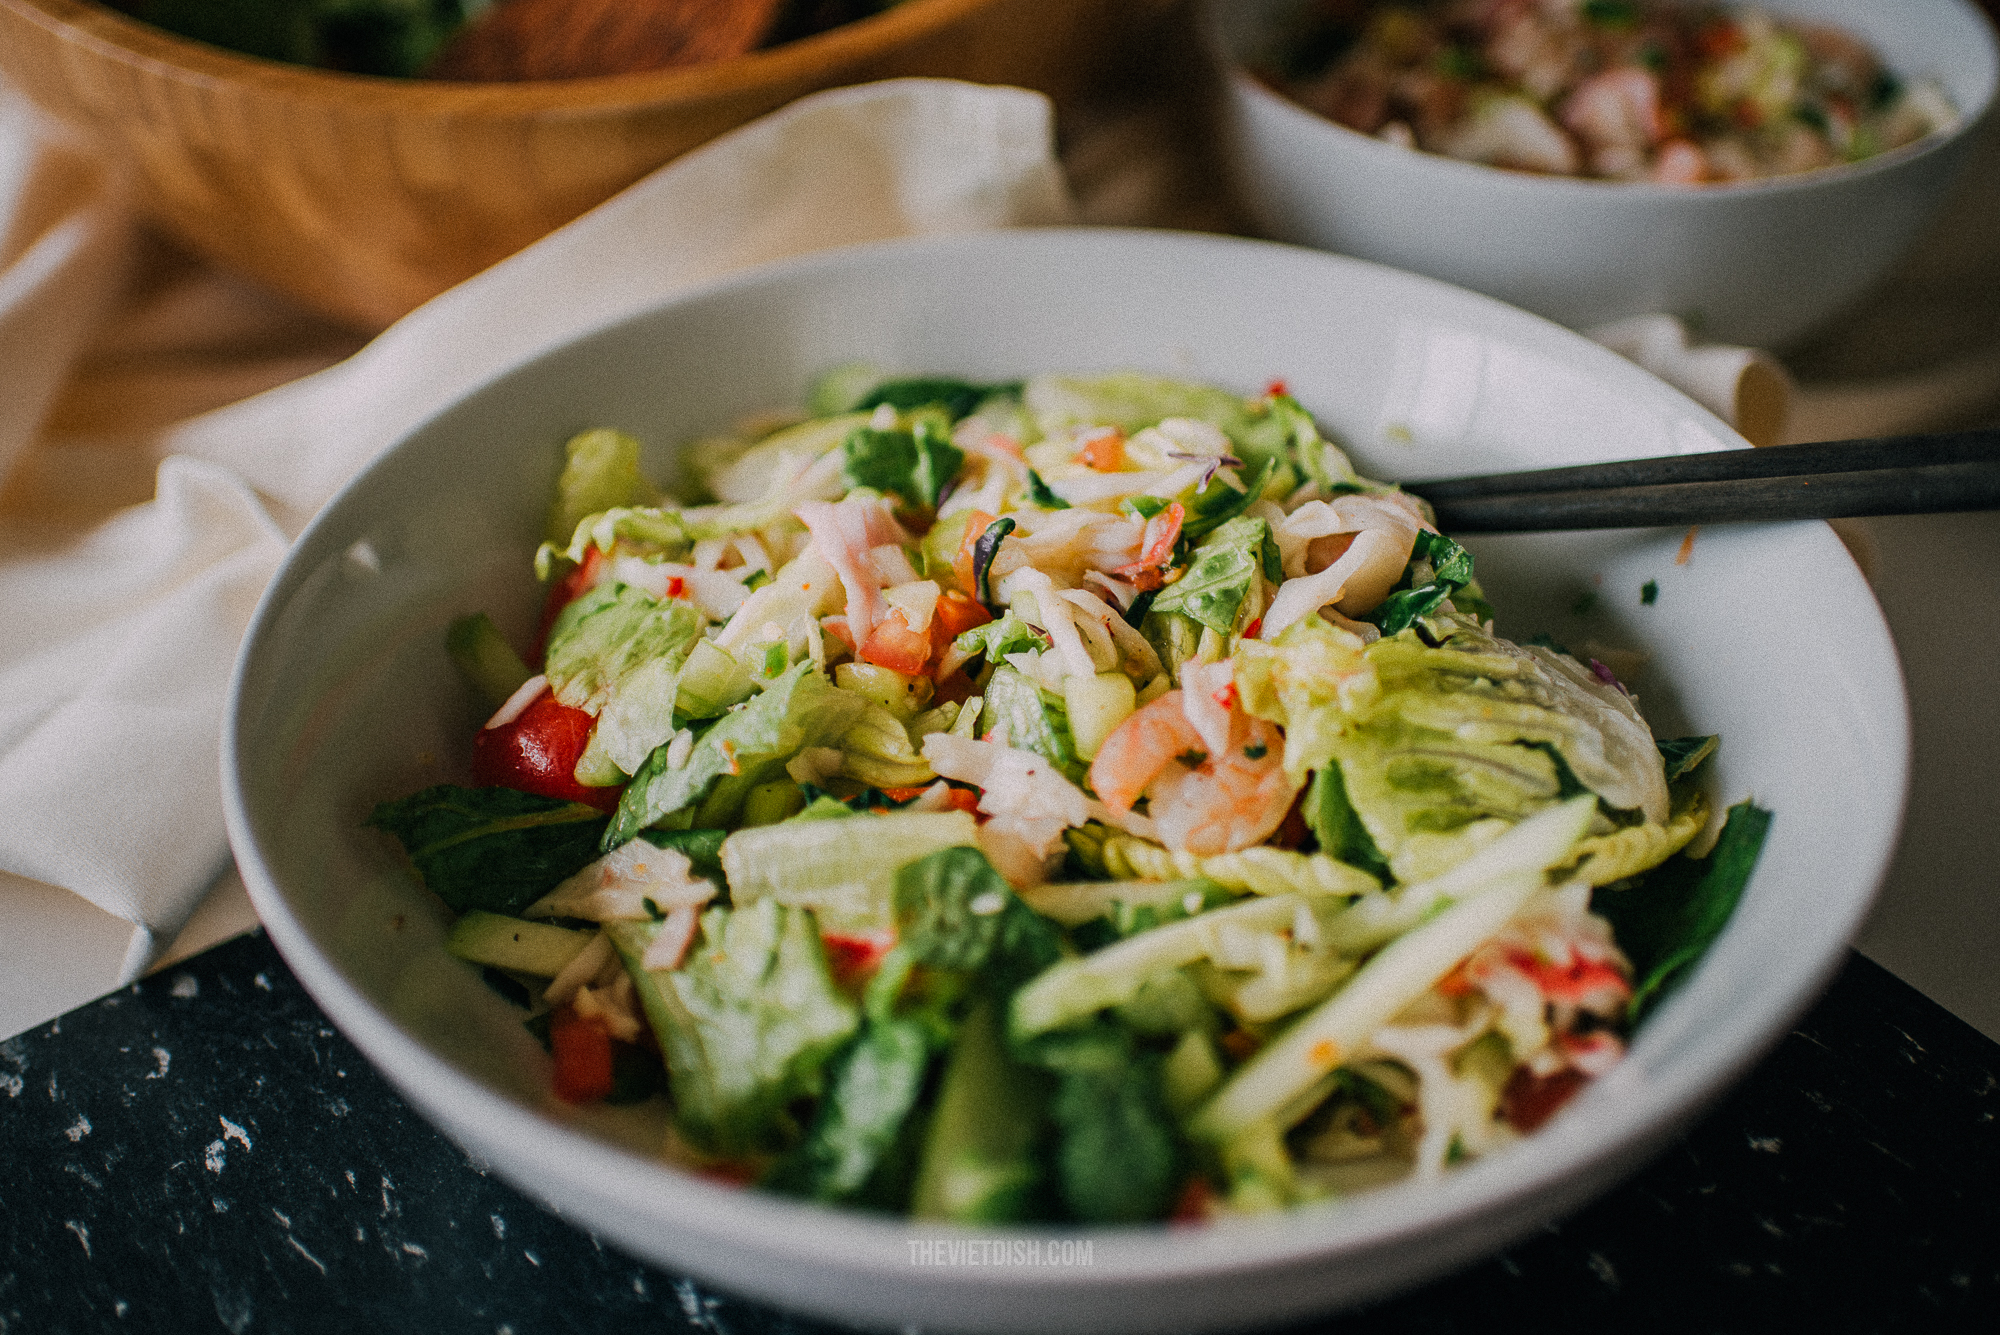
column 983, row 551
column 1219, row 503
column 1666, row 922
column 957, row 397
column 1450, row 569
column 1684, row 755
column 496, row 849
column 1118, row 1158
column 1040, row 495
column 917, row 465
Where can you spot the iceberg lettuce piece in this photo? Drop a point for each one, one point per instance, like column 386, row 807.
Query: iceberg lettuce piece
column 740, row 750
column 608, row 634
column 850, row 1151
column 1311, row 681
column 600, row 472
column 746, row 1023
column 1221, row 587
column 780, row 456
column 1033, row 720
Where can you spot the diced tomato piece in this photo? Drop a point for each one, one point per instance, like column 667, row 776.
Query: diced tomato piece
column 537, row 753
column 1104, row 452
column 1254, row 629
column 957, row 613
column 853, row 959
column 566, row 591
column 677, row 587
column 582, row 1050
column 1275, row 388
column 1528, row 1100
column 893, row 645
column 1193, row 1204
column 976, row 525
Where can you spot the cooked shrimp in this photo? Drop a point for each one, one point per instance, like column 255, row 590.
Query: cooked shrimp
column 1201, row 803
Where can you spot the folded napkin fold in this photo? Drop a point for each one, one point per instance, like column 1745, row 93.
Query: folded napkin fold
column 119, row 642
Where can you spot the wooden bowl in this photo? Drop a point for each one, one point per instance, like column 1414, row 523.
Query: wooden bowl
column 365, row 197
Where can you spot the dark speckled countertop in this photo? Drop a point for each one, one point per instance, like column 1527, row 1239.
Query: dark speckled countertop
column 204, row 1151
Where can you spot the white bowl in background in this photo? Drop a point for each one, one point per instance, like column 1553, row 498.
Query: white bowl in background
column 1761, row 263
column 344, row 697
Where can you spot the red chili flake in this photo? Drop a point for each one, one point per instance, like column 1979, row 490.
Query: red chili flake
column 1254, row 629
column 676, row 587
column 1275, row 388
column 1226, row 697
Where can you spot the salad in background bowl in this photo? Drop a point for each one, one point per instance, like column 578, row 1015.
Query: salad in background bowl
column 346, row 697
column 1763, row 260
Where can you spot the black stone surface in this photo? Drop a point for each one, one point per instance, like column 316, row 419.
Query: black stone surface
column 204, row 1152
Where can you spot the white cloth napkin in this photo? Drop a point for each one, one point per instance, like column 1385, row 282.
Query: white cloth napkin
column 117, row 643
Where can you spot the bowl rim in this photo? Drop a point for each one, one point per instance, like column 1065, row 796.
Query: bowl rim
column 765, row 1223
column 119, row 37
column 1247, row 85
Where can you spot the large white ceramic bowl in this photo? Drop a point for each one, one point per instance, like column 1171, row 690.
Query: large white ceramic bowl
column 344, row 697
column 1761, row 263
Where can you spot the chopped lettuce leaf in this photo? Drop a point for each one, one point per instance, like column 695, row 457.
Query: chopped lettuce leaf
column 1216, row 504
column 996, row 639
column 980, row 1164
column 736, row 753
column 1032, row 719
column 496, row 849
column 1337, row 825
column 1685, row 755
column 746, row 1024
column 845, row 870
column 611, row 632
column 955, row 912
column 601, row 471
column 1222, row 576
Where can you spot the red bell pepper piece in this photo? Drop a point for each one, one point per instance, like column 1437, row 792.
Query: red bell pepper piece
column 581, row 1047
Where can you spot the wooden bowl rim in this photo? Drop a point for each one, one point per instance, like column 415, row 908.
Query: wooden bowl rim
column 119, row 37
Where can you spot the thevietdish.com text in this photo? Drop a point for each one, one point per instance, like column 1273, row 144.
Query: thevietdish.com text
column 1026, row 1253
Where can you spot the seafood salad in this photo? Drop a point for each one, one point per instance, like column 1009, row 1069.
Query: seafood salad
column 1625, row 90
column 1079, row 799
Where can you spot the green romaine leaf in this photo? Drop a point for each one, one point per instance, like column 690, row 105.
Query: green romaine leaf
column 1118, row 1159
column 872, row 1091
column 1034, row 721
column 746, row 1023
column 917, row 465
column 736, row 753
column 955, row 912
column 1668, row 920
column 601, row 472
column 496, row 849
column 611, row 632
column 1221, row 574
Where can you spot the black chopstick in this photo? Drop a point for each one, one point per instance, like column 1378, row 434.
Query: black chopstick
column 1924, row 474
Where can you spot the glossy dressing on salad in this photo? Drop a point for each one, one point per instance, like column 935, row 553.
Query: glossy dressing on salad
column 1081, row 799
